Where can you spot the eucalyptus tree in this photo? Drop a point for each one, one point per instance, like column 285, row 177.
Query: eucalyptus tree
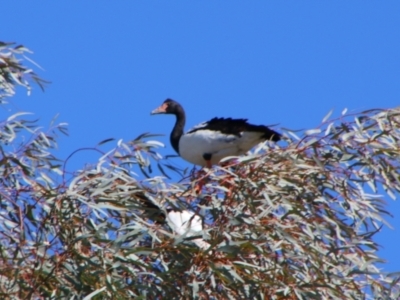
column 296, row 220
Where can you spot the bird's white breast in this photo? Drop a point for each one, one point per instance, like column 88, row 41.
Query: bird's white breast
column 193, row 145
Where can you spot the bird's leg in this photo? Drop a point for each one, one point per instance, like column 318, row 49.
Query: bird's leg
column 229, row 181
column 202, row 181
column 202, row 175
column 208, row 164
column 207, row 158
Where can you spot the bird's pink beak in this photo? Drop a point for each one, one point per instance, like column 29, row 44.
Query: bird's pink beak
column 160, row 110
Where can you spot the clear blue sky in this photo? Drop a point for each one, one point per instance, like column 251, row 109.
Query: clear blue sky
column 286, row 62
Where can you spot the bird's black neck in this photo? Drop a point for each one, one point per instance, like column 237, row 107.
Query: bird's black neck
column 177, row 131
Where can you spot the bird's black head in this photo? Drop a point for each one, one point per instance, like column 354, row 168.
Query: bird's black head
column 169, row 106
column 172, row 107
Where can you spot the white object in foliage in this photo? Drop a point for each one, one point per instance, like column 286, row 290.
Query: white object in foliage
column 187, row 224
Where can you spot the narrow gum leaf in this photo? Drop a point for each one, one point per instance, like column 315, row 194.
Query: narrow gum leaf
column 327, row 116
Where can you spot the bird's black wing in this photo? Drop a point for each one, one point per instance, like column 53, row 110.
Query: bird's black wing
column 231, row 126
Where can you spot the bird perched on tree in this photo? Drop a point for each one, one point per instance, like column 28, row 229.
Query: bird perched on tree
column 209, row 142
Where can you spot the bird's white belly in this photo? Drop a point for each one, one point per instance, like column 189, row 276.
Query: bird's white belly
column 192, row 146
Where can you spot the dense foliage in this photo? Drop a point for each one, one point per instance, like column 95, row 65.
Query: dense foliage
column 290, row 221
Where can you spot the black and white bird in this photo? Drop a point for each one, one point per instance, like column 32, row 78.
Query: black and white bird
column 209, row 142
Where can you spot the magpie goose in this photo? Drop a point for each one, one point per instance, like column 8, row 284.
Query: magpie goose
column 209, row 142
